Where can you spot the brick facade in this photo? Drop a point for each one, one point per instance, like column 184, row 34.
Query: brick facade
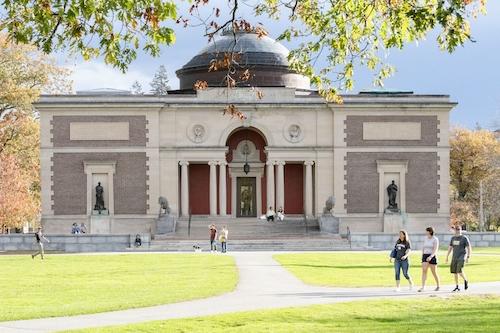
column 363, row 181
column 61, row 131
column 70, row 182
column 354, row 130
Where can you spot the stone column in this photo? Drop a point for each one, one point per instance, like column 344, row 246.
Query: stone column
column 270, row 184
column 280, row 185
column 222, row 188
column 184, row 188
column 213, row 188
column 308, row 203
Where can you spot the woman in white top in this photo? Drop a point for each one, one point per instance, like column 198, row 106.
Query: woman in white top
column 429, row 257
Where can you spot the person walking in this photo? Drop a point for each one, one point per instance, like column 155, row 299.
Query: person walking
column 401, row 252
column 429, row 257
column 223, row 239
column 39, row 238
column 212, row 232
column 462, row 249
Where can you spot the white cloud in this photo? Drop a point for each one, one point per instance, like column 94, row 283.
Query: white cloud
column 94, row 75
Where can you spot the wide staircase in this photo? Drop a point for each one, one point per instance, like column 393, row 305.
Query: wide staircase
column 251, row 234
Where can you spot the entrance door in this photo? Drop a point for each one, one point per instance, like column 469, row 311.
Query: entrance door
column 246, row 201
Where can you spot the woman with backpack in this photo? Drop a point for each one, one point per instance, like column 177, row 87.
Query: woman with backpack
column 400, row 255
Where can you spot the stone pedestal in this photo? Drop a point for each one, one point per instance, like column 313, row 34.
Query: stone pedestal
column 393, row 222
column 165, row 224
column 100, row 224
column 329, row 223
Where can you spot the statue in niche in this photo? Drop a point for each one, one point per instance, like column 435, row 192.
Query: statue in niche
column 392, row 191
column 99, row 198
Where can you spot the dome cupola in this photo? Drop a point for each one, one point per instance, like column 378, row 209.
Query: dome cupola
column 265, row 58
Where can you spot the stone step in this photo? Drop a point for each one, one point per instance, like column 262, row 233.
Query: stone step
column 290, row 244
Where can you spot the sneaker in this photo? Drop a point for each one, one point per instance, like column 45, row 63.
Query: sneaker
column 397, row 290
column 421, row 290
column 466, row 285
column 456, row 289
column 437, row 289
column 410, row 287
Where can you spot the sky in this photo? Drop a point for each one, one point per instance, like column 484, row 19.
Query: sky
column 470, row 75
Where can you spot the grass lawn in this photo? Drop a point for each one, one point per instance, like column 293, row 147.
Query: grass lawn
column 365, row 269
column 457, row 314
column 64, row 285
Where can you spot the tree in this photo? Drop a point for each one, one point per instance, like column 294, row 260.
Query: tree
column 472, row 158
column 24, row 74
column 462, row 213
column 159, row 84
column 20, row 173
column 475, row 159
column 137, row 88
column 346, row 34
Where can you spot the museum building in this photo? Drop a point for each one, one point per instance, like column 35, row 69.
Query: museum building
column 293, row 150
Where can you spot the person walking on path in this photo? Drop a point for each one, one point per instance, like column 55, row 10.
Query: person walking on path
column 212, row 232
column 462, row 249
column 39, row 238
column 223, row 239
column 401, row 262
column 429, row 257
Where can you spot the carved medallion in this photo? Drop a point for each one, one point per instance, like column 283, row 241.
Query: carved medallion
column 293, row 133
column 197, row 133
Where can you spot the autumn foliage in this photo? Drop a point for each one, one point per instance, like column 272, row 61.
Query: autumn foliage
column 474, row 160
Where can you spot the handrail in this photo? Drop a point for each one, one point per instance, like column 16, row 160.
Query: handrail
column 189, row 224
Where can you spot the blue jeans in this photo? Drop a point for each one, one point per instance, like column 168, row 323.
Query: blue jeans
column 224, row 248
column 404, row 265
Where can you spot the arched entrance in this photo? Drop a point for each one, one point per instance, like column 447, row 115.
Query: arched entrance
column 246, row 146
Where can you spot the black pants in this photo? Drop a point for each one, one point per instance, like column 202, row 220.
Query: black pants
column 270, row 218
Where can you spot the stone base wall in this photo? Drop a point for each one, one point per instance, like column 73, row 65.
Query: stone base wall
column 383, row 241
column 73, row 243
column 118, row 225
column 413, row 223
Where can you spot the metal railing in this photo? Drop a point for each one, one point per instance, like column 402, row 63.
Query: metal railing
column 189, row 224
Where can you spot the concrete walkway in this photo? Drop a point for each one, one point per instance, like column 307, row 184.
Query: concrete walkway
column 263, row 284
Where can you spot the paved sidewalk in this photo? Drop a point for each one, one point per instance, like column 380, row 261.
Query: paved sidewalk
column 264, row 284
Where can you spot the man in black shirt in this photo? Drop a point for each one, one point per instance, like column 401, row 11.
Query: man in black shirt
column 460, row 245
column 39, row 238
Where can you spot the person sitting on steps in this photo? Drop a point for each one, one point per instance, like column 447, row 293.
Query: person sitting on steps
column 270, row 214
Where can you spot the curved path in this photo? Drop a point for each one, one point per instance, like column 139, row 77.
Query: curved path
column 263, row 284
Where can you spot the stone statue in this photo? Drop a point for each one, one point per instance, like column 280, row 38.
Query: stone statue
column 392, row 191
column 164, row 206
column 329, row 204
column 99, row 198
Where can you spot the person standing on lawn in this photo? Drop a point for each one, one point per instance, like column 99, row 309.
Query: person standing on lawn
column 39, row 238
column 223, row 239
column 429, row 257
column 401, row 262
column 462, row 249
column 212, row 232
